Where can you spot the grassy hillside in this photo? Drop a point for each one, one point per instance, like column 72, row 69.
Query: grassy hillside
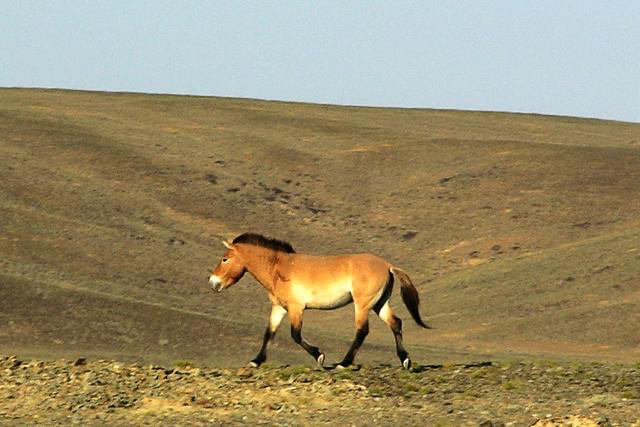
column 521, row 231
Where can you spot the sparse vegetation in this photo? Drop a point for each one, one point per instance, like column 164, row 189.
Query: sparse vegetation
column 290, row 372
column 106, row 392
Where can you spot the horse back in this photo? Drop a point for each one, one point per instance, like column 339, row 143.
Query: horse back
column 352, row 265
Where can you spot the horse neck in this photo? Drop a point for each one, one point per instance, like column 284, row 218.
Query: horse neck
column 261, row 263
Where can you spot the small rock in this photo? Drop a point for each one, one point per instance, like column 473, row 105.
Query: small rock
column 175, row 241
column 245, row 372
column 409, row 235
column 81, row 361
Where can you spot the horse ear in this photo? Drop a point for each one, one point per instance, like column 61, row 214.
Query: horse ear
column 227, row 244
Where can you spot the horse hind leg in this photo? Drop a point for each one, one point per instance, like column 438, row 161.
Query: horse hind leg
column 295, row 318
column 362, row 330
column 395, row 323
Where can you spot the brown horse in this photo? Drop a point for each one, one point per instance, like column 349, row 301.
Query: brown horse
column 295, row 282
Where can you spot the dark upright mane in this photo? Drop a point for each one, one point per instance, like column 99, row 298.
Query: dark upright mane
column 265, row 242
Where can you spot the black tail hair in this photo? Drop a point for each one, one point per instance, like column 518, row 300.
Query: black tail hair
column 410, row 295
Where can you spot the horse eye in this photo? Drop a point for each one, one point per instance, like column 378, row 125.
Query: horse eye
column 225, row 259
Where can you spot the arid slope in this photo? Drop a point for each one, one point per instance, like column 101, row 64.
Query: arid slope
column 521, row 231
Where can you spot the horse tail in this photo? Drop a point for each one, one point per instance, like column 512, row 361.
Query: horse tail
column 409, row 294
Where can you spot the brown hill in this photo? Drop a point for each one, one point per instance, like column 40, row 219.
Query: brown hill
column 521, row 231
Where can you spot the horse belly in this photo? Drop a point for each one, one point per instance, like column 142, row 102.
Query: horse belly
column 322, row 296
column 329, row 302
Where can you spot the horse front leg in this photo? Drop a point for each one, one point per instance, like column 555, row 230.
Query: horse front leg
column 277, row 313
column 295, row 318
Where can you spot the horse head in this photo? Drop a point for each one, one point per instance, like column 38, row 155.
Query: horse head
column 229, row 270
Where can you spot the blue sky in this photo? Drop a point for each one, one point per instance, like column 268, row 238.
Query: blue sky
column 577, row 58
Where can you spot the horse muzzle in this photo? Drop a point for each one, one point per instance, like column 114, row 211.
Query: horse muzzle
column 216, row 283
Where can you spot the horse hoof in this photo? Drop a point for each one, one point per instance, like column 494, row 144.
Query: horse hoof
column 406, row 364
column 252, row 364
column 320, row 361
column 340, row 367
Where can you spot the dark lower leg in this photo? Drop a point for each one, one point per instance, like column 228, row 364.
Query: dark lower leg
column 396, row 327
column 296, row 334
column 262, row 355
column 361, row 334
column 277, row 313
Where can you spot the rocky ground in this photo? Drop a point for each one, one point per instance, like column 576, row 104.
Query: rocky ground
column 101, row 392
